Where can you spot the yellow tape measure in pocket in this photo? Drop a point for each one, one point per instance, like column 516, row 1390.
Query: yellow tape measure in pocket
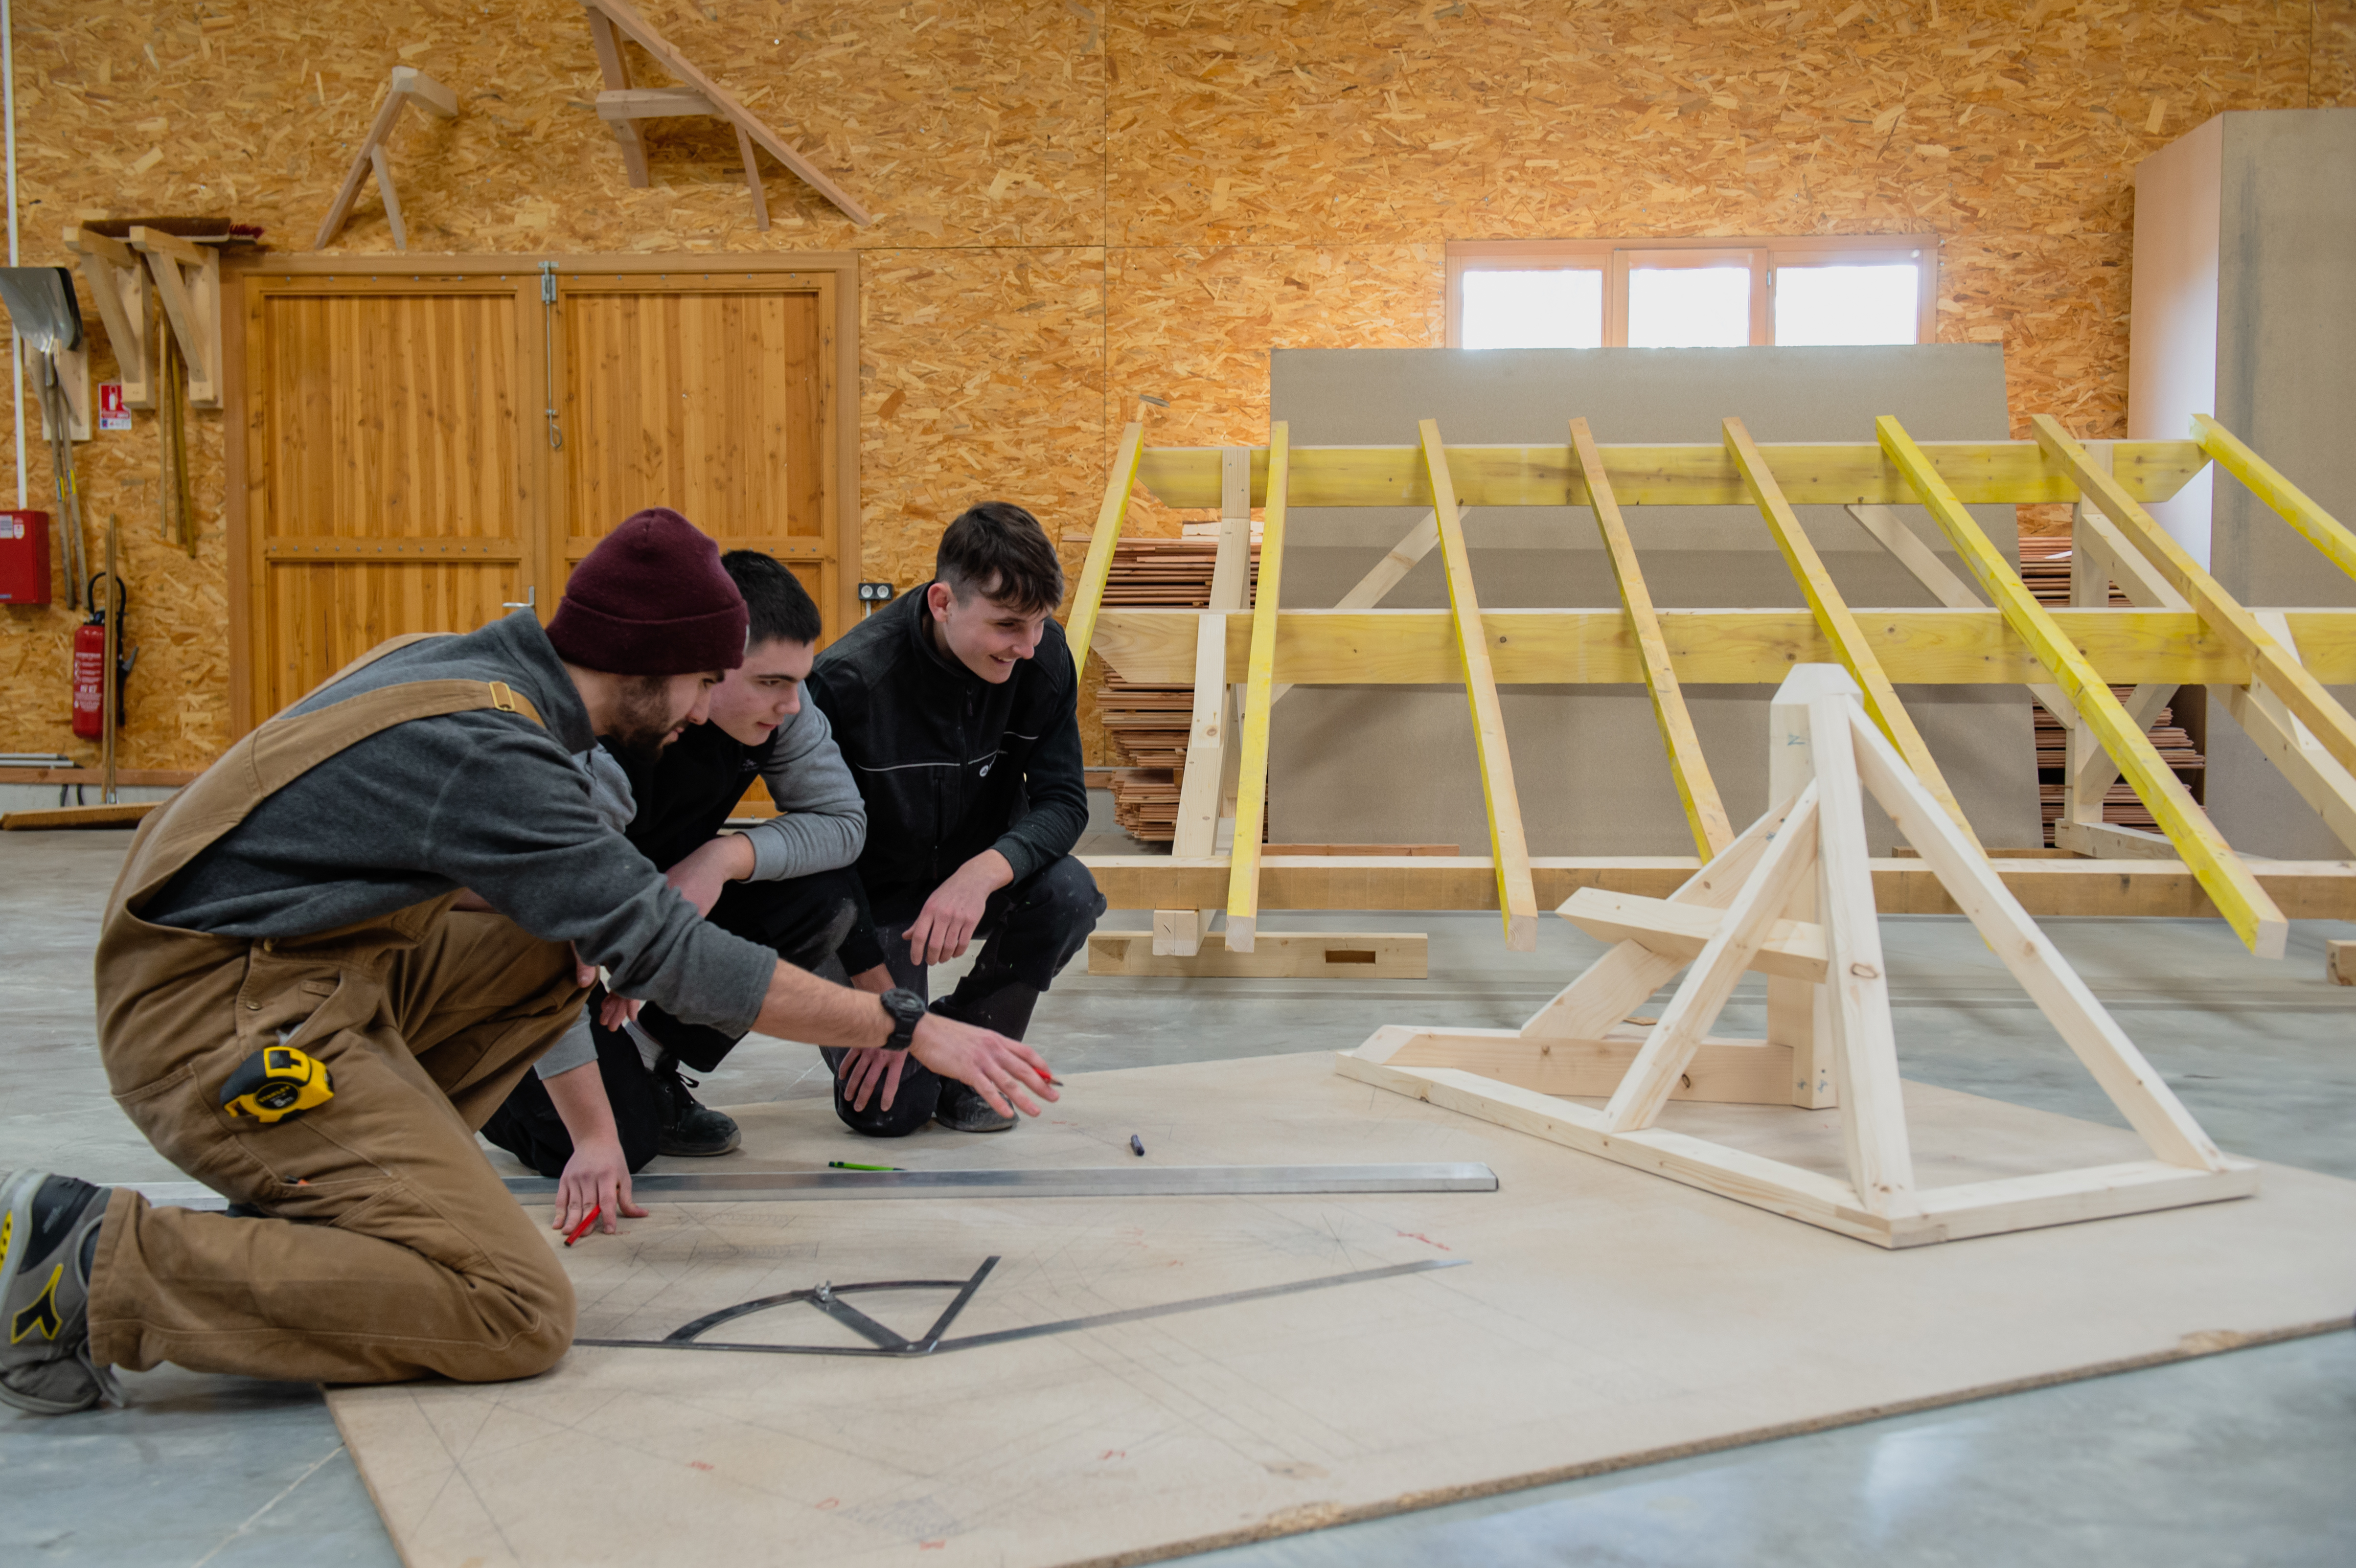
column 275, row 1082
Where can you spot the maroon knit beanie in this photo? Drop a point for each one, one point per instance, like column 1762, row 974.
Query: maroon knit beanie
column 651, row 599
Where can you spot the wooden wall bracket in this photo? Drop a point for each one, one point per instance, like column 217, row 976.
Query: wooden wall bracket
column 408, row 85
column 187, row 278
column 126, row 303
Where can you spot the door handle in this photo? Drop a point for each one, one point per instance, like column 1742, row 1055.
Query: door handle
column 530, row 600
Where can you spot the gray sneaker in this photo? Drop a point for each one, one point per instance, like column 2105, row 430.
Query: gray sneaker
column 49, row 1230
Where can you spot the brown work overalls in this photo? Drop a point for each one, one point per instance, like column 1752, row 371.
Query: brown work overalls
column 391, row 1251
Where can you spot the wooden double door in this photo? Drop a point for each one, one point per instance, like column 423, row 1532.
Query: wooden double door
column 425, row 452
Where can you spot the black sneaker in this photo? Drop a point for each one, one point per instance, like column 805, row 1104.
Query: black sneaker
column 687, row 1128
column 963, row 1110
column 49, row 1230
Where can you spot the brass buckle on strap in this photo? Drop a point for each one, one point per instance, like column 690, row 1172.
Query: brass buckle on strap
column 503, row 697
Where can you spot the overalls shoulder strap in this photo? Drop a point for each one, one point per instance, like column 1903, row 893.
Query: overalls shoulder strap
column 281, row 750
column 390, row 646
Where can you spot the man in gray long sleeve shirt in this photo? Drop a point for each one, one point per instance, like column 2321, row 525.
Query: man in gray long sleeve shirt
column 783, row 882
column 294, row 1011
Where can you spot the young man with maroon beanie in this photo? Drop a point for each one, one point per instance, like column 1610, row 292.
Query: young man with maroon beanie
column 957, row 708
column 294, row 912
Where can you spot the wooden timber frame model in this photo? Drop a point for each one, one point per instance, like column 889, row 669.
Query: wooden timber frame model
column 1793, row 897
column 2269, row 667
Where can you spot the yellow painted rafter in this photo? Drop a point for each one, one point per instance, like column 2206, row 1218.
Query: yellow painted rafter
column 1832, row 613
column 2254, row 916
column 1697, row 791
column 2292, row 505
column 1088, row 601
column 1260, row 682
column 2273, row 666
column 1812, row 474
column 1507, row 846
column 1715, row 647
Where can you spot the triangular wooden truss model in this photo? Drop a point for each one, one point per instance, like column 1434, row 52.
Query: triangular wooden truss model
column 621, row 106
column 1793, row 897
column 409, row 85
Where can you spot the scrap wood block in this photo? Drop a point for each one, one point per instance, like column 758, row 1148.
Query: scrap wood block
column 2340, row 962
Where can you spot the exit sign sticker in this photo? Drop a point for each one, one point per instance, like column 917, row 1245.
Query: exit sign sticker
column 111, row 414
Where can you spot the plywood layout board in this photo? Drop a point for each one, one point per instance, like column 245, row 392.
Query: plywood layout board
column 1601, row 1317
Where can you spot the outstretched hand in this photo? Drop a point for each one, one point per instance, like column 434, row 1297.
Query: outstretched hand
column 998, row 1068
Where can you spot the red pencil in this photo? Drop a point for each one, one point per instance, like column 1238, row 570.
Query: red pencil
column 586, row 1221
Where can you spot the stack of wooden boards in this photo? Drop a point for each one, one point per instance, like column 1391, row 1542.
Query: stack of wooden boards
column 2178, row 743
column 1146, row 723
column 2175, row 744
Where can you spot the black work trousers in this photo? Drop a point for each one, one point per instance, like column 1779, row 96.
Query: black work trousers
column 1029, row 931
column 813, row 923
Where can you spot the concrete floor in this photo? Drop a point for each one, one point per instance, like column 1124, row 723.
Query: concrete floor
column 2241, row 1458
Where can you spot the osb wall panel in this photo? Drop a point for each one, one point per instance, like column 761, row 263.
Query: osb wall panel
column 980, row 370
column 2333, row 84
column 1080, row 204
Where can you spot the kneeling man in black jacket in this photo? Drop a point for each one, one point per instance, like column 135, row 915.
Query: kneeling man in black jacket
column 957, row 708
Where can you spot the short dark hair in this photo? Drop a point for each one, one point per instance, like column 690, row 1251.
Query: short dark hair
column 999, row 550
column 780, row 607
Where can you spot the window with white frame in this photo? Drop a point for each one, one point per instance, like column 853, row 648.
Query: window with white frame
column 1692, row 293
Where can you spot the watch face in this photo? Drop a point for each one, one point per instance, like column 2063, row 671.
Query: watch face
column 906, row 1007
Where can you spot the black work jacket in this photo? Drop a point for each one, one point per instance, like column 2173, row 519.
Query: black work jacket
column 949, row 764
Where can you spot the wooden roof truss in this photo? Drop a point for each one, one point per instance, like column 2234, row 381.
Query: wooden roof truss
column 624, row 105
column 2269, row 668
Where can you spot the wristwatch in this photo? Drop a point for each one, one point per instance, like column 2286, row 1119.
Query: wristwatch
column 908, row 1009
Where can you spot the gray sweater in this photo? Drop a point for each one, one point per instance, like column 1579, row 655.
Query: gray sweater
column 821, row 823
column 483, row 800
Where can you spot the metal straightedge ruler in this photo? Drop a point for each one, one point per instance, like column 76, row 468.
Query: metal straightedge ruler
column 1086, row 1181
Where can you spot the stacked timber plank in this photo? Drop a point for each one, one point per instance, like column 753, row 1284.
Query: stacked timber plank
column 2120, row 807
column 2047, row 576
column 1146, row 723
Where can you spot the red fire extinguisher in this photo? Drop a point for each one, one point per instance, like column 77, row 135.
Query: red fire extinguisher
column 90, row 663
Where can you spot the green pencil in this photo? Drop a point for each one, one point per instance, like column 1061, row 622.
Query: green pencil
column 846, row 1164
